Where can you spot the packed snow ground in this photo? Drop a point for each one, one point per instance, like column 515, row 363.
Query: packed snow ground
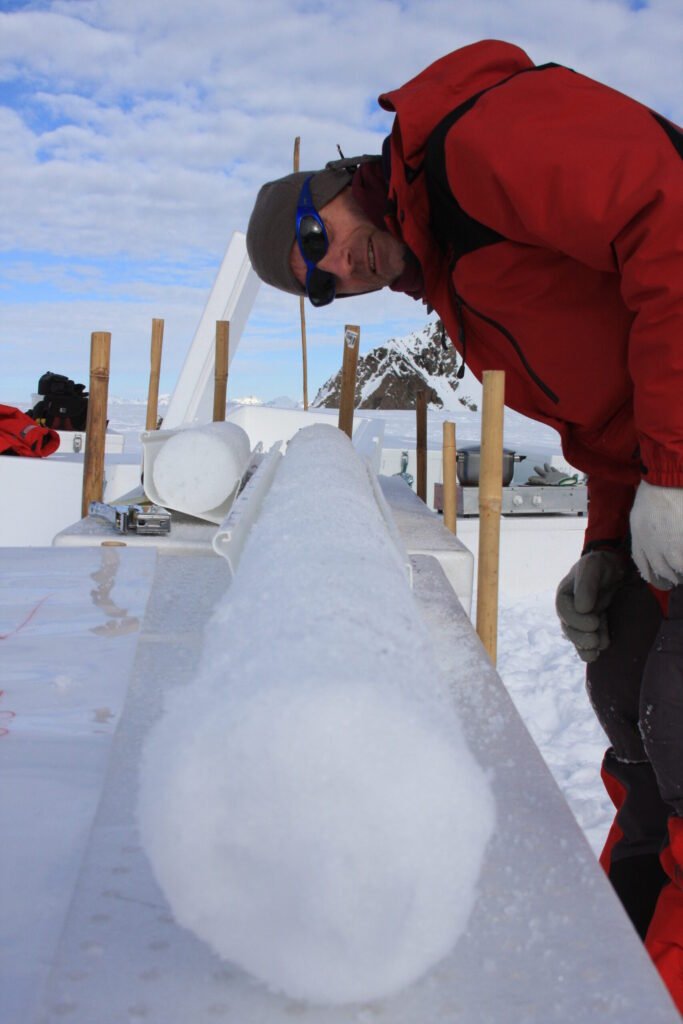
column 543, row 675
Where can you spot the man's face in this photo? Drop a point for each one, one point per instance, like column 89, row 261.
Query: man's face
column 362, row 257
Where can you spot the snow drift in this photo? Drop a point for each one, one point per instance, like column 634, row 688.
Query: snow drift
column 317, row 818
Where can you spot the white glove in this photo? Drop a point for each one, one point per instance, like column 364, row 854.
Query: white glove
column 582, row 598
column 657, row 534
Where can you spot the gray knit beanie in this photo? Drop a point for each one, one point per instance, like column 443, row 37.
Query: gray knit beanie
column 272, row 225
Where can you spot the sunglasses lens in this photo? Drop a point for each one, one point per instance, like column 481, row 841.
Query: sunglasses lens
column 312, row 238
column 313, row 244
column 320, row 287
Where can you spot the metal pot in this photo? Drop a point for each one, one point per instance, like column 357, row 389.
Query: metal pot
column 467, row 465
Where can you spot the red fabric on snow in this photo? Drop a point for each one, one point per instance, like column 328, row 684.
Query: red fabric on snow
column 20, row 435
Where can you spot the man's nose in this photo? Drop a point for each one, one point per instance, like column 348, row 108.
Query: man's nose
column 338, row 260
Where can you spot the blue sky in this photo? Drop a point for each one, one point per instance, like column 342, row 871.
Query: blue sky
column 134, row 137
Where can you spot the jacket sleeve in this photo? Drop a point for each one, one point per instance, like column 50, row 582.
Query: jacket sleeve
column 554, row 159
column 609, row 505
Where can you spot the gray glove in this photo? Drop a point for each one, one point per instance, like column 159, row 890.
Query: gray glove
column 582, row 598
column 548, row 476
column 657, row 534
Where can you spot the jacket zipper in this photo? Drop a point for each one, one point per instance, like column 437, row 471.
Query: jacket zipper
column 459, row 303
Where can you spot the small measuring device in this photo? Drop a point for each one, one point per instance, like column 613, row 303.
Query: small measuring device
column 152, row 520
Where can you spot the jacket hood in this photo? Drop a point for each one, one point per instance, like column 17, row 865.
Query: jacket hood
column 448, row 82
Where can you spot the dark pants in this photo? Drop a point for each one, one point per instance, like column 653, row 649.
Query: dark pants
column 636, row 689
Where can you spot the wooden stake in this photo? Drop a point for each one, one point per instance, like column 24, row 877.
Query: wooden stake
column 96, row 422
column 302, row 316
column 154, row 373
column 450, row 505
column 421, row 444
column 490, row 504
column 347, row 399
column 220, row 386
column 302, row 308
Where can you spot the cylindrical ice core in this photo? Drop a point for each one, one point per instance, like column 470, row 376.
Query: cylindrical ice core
column 309, row 803
column 196, row 470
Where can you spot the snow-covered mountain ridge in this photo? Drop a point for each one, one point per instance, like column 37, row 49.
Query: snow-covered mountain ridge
column 389, row 376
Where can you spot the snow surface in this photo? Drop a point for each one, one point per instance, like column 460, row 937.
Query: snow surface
column 324, row 822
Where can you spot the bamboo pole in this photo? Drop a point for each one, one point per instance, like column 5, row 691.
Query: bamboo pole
column 450, row 516
column 302, row 308
column 302, row 315
column 421, row 444
column 96, row 422
column 347, row 399
column 220, row 384
column 490, row 504
column 154, row 374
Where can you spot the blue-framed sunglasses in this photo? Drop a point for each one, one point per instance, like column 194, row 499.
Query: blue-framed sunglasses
column 313, row 244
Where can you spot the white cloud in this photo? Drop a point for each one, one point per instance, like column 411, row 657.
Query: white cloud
column 48, row 44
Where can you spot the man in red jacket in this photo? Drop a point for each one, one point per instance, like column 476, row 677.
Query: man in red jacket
column 541, row 215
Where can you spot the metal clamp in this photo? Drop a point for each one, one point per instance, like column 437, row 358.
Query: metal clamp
column 152, row 520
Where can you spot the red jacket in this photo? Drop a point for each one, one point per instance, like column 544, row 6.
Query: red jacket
column 580, row 301
column 21, row 435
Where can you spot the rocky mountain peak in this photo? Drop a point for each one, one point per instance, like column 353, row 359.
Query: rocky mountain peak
column 390, row 375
